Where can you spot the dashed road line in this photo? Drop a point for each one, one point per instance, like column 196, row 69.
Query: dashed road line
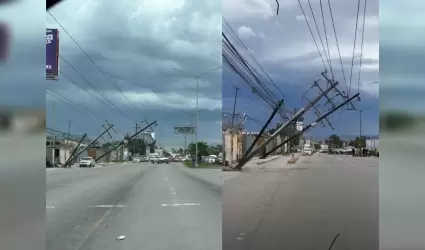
column 180, row 204
column 109, row 206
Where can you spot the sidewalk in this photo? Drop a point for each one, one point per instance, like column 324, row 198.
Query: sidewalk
column 273, row 162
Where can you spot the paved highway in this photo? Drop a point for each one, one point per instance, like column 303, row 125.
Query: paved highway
column 303, row 207
column 156, row 207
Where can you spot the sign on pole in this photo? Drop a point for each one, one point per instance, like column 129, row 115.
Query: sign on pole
column 52, row 54
column 185, row 130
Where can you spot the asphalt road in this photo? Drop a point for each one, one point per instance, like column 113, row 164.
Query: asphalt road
column 156, row 207
column 304, row 207
column 401, row 189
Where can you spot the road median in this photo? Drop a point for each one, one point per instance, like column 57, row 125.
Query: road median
column 209, row 176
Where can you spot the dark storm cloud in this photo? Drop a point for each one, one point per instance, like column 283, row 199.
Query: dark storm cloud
column 285, row 40
column 284, row 47
column 137, row 45
column 150, row 57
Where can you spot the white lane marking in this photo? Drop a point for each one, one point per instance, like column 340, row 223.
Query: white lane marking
column 110, row 206
column 165, row 179
column 181, row 204
column 285, row 178
column 226, row 178
column 50, row 207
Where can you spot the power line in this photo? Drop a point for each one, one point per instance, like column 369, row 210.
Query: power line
column 56, row 95
column 312, row 35
column 320, row 37
column 229, row 49
column 354, row 45
column 361, row 48
column 239, row 65
column 100, row 70
column 326, row 37
column 93, row 87
column 337, row 43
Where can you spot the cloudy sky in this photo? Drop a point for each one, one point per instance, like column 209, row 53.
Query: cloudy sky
column 139, row 45
column 402, row 52
column 284, row 47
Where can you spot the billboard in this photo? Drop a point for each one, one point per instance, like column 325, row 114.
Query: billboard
column 52, row 53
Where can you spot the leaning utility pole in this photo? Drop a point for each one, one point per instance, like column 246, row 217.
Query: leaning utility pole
column 232, row 126
column 125, row 140
column 73, row 152
column 91, row 143
column 243, row 160
column 314, row 123
column 107, row 125
column 296, row 116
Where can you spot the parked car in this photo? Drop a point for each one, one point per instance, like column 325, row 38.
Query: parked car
column 136, row 160
column 87, row 162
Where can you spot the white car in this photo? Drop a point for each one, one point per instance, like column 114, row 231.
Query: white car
column 87, row 162
column 136, row 159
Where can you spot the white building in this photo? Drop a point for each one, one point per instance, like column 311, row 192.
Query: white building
column 372, row 143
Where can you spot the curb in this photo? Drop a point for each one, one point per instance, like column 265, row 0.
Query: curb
column 293, row 161
column 266, row 161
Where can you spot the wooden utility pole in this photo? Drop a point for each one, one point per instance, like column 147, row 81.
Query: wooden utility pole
column 232, row 127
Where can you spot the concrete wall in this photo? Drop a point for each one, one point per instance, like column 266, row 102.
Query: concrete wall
column 237, row 146
column 64, row 154
column 248, row 139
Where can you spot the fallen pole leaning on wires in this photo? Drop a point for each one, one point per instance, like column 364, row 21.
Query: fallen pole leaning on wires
column 123, row 141
column 290, row 121
column 313, row 124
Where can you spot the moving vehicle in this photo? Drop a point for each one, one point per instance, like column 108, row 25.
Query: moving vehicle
column 136, row 160
column 159, row 159
column 164, row 159
column 87, row 162
column 307, row 150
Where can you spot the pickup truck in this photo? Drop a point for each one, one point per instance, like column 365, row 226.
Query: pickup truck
column 159, row 160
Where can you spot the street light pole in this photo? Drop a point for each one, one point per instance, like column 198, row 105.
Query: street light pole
column 197, row 121
column 360, row 112
column 197, row 107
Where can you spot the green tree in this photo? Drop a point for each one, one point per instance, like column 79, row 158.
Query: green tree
column 334, row 141
column 317, row 146
column 180, row 151
column 360, row 142
column 215, row 150
column 203, row 149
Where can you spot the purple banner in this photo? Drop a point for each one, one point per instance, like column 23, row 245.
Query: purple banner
column 52, row 52
column 4, row 41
